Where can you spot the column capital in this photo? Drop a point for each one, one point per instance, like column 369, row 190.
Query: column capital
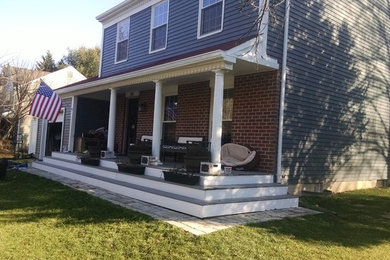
column 158, row 81
column 220, row 71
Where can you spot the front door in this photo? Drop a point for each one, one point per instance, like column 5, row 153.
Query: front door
column 53, row 139
column 132, row 121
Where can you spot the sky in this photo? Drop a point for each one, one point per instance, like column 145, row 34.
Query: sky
column 28, row 28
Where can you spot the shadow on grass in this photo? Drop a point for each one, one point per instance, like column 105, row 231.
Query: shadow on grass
column 29, row 198
column 355, row 219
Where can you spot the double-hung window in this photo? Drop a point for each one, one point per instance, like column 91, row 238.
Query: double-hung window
column 159, row 26
column 210, row 17
column 122, row 40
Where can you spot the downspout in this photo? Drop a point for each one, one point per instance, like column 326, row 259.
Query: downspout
column 282, row 93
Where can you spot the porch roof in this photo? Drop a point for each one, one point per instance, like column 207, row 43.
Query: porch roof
column 239, row 53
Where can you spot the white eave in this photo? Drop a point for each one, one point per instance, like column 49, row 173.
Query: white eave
column 123, row 10
column 201, row 63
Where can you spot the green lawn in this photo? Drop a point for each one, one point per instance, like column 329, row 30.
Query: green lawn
column 41, row 219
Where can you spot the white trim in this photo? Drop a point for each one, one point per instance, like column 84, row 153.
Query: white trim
column 72, row 123
column 117, row 42
column 205, row 57
column 123, row 10
column 200, row 18
column 63, row 110
column 151, row 28
column 32, row 146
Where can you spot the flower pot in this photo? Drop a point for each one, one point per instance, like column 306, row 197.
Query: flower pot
column 132, row 169
column 90, row 161
column 183, row 178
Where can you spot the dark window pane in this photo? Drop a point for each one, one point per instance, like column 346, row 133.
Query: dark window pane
column 226, row 132
column 159, row 37
column 211, row 19
column 169, row 131
column 228, row 104
column 170, row 110
column 121, row 52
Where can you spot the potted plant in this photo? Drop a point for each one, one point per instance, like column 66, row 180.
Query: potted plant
column 3, row 168
column 87, row 159
column 181, row 176
column 127, row 166
column 196, row 154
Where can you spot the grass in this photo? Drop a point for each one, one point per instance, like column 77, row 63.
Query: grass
column 41, row 219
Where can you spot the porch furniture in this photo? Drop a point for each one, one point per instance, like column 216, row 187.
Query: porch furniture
column 238, row 156
column 196, row 153
column 142, row 146
column 181, row 146
column 92, row 144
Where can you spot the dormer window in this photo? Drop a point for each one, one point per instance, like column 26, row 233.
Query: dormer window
column 159, row 26
column 210, row 17
column 122, row 40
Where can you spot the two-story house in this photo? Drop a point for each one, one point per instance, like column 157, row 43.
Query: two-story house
column 307, row 88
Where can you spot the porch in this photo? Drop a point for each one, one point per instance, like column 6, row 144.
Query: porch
column 214, row 196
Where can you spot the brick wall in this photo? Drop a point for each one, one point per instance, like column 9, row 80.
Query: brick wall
column 120, row 122
column 145, row 117
column 255, row 115
column 193, row 109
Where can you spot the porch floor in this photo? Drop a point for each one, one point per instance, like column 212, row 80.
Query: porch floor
column 179, row 165
column 188, row 223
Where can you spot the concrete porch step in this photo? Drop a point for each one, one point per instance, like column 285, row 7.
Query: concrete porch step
column 201, row 208
column 205, row 193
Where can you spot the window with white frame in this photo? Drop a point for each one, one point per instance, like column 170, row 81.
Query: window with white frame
column 159, row 26
column 122, row 40
column 210, row 17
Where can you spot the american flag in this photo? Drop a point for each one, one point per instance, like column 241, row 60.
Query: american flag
column 46, row 103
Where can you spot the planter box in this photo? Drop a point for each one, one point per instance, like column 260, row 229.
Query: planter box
column 182, row 178
column 90, row 161
column 192, row 163
column 3, row 168
column 132, row 169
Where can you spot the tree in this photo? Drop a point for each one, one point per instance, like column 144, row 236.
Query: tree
column 47, row 63
column 17, row 90
column 85, row 60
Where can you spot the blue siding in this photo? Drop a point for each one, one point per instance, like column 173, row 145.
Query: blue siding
column 337, row 95
column 182, row 34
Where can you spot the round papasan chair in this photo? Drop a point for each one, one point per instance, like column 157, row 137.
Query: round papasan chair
column 238, row 157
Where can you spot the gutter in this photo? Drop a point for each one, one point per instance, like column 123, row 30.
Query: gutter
column 282, row 93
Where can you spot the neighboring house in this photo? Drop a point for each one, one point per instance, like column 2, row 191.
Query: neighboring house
column 16, row 90
column 191, row 68
column 32, row 126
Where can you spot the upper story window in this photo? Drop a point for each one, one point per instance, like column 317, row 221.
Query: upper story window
column 122, row 40
column 210, row 17
column 159, row 26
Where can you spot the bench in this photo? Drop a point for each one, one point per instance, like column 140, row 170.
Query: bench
column 182, row 145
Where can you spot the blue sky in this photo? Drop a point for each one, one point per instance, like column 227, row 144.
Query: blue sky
column 30, row 27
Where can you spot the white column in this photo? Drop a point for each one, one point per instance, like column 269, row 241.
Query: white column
column 42, row 148
column 72, row 123
column 216, row 128
column 111, row 121
column 157, row 127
